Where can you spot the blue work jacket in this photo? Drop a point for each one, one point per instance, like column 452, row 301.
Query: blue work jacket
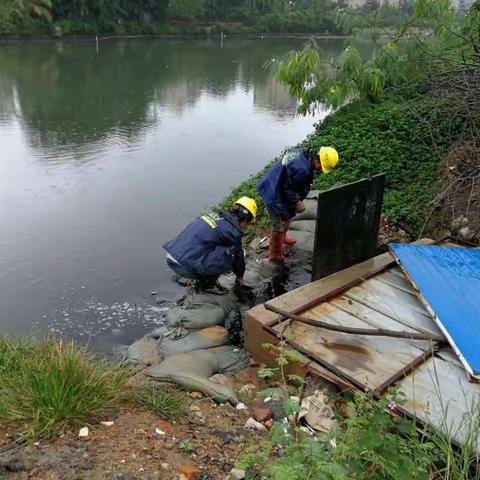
column 286, row 183
column 211, row 245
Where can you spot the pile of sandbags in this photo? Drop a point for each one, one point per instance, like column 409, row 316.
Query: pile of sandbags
column 302, row 227
column 191, row 346
column 195, row 322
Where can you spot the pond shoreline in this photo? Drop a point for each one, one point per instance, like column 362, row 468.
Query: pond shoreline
column 21, row 39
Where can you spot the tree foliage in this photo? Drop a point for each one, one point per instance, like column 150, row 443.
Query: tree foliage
column 434, row 39
column 86, row 16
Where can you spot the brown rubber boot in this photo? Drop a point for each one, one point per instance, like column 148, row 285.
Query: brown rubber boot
column 275, row 248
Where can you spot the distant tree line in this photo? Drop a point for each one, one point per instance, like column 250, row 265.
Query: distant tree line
column 171, row 16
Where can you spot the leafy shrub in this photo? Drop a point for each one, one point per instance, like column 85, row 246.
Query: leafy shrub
column 389, row 137
column 371, row 445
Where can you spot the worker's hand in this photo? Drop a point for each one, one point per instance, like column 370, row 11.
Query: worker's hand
column 240, row 281
column 300, row 207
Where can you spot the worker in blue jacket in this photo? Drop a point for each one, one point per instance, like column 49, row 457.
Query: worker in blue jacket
column 211, row 246
column 285, row 186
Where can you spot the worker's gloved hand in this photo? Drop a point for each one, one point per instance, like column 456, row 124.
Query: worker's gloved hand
column 244, row 293
column 300, row 207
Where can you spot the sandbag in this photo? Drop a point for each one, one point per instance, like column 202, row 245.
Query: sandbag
column 143, row 351
column 194, row 300
column 202, row 316
column 310, row 212
column 206, row 338
column 304, row 225
column 313, row 194
column 305, row 240
column 200, row 310
column 192, row 370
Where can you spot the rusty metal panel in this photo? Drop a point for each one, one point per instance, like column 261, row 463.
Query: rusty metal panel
column 369, row 360
column 401, row 305
column 439, row 393
column 348, row 218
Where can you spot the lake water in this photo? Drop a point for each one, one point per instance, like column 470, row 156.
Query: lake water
column 105, row 155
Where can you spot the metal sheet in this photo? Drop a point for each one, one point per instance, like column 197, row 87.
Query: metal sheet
column 348, row 218
column 448, row 282
column 369, row 360
column 439, row 393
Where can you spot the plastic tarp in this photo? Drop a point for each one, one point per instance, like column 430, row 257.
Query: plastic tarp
column 448, row 282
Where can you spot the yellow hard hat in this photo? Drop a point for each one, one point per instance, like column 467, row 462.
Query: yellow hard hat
column 249, row 204
column 328, row 158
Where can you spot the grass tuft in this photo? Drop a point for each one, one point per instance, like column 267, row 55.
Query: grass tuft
column 162, row 403
column 51, row 384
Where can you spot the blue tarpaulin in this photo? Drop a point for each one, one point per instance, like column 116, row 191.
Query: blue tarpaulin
column 448, row 280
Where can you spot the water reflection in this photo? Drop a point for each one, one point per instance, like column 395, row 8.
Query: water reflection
column 67, row 95
column 106, row 156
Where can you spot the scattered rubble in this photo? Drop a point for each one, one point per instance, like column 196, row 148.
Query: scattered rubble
column 251, row 423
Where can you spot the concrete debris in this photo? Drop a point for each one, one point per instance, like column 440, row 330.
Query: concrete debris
column 252, row 424
column 237, row 474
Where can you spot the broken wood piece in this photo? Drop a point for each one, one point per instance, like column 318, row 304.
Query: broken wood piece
column 380, row 332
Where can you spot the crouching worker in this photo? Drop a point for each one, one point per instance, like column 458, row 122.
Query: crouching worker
column 285, row 186
column 211, row 246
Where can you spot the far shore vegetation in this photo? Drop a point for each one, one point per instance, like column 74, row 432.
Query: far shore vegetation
column 187, row 17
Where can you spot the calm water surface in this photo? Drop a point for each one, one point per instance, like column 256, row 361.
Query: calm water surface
column 106, row 155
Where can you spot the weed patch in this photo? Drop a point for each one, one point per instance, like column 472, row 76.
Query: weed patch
column 162, row 403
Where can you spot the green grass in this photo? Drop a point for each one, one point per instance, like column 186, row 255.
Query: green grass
column 162, row 403
column 51, row 384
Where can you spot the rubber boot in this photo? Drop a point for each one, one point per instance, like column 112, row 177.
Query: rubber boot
column 286, row 239
column 275, row 248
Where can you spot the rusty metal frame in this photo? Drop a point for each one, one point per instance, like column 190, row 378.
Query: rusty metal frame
column 342, row 376
column 407, row 370
column 333, row 293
